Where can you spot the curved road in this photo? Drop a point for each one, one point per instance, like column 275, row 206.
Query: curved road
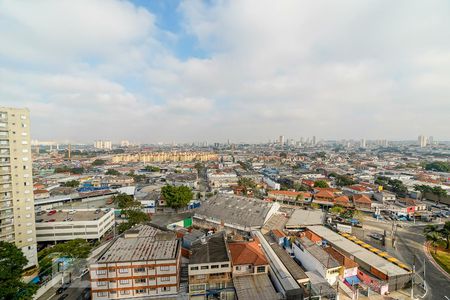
column 410, row 249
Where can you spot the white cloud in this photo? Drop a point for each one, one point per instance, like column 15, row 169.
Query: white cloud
column 92, row 69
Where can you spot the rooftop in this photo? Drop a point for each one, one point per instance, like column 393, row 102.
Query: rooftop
column 144, row 243
column 65, row 215
column 214, row 249
column 303, row 218
column 235, row 210
column 247, row 253
column 321, row 255
column 357, row 251
column 254, row 287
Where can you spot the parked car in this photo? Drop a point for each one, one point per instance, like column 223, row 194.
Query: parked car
column 52, row 212
column 376, row 236
column 39, row 220
column 98, row 211
column 51, row 220
column 71, row 212
column 63, row 296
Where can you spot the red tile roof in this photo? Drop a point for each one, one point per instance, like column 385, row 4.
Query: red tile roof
column 247, row 253
column 325, row 194
column 289, row 193
column 361, row 199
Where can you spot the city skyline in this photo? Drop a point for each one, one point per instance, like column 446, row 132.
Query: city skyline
column 210, row 71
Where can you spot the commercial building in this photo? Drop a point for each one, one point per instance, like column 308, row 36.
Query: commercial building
column 16, row 182
column 290, row 197
column 371, row 263
column 147, row 157
column 210, row 269
column 142, row 263
column 301, row 218
column 234, row 213
column 103, row 144
column 64, row 225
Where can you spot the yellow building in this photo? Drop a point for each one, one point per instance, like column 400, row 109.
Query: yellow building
column 147, row 157
column 17, row 223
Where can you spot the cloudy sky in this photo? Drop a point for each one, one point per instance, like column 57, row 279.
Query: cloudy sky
column 163, row 71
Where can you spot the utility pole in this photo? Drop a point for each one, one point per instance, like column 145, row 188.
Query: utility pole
column 412, row 277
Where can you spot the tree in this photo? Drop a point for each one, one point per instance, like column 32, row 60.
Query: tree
column 300, row 187
column 445, row 232
column 152, row 169
column 343, row 180
column 434, row 238
column 12, row 263
column 98, row 162
column 125, row 201
column 315, row 206
column 438, row 166
column 77, row 248
column 321, row 184
column 71, row 183
column 337, row 210
column 112, row 172
column 134, row 217
column 176, row 196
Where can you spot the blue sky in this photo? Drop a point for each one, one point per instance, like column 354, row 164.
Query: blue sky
column 163, row 71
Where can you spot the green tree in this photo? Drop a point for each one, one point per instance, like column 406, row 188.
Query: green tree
column 125, row 201
column 133, row 217
column 152, row 169
column 176, row 196
column 337, row 210
column 300, row 187
column 12, row 263
column 315, row 206
column 71, row 183
column 445, row 232
column 112, row 172
column 321, row 184
column 98, row 162
column 434, row 238
column 438, row 166
column 343, row 180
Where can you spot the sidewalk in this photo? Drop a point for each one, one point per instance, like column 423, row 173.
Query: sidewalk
column 426, row 250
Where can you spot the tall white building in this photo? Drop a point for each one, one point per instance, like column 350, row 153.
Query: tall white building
column 281, row 140
column 17, row 224
column 363, row 143
column 124, row 143
column 103, row 144
column 422, row 141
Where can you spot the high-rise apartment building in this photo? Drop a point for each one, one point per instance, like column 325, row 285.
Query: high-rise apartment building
column 103, row 144
column 16, row 182
column 281, row 140
column 422, row 141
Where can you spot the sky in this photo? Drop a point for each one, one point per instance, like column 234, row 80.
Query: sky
column 182, row 71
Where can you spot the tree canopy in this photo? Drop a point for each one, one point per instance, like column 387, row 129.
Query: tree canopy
column 321, row 184
column 71, row 183
column 98, row 162
column 438, row 166
column 134, row 217
column 125, row 201
column 112, row 172
column 176, row 196
column 152, row 169
column 12, row 263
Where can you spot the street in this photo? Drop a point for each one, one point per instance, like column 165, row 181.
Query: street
column 410, row 249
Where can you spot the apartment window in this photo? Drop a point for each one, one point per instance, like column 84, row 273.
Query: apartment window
column 126, row 292
column 122, row 271
column 102, row 294
column 165, row 289
column 261, row 269
column 140, row 280
column 141, row 291
column 214, row 266
column 164, row 268
column 224, row 266
column 194, row 268
column 204, row 267
column 165, row 279
column 101, row 272
column 101, row 283
column 23, row 117
column 139, row 270
column 125, row 281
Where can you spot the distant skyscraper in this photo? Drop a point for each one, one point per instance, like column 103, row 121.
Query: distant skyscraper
column 16, row 182
column 281, row 140
column 124, row 143
column 103, row 144
column 314, row 140
column 422, row 141
column 363, row 143
column 430, row 140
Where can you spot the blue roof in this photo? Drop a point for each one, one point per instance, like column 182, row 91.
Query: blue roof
column 353, row 280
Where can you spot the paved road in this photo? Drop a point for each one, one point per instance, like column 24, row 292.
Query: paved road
column 409, row 249
column 74, row 291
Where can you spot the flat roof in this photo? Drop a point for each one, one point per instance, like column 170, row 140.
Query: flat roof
column 233, row 209
column 358, row 252
column 252, row 287
column 79, row 215
column 321, row 255
column 214, row 249
column 303, row 218
column 145, row 243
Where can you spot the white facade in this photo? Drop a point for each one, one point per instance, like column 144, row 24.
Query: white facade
column 76, row 229
column 272, row 184
column 16, row 182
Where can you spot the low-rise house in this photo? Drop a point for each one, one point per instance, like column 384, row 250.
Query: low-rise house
column 183, row 179
column 324, row 197
column 362, row 202
column 342, row 201
column 314, row 258
column 349, row 267
column 290, row 197
column 248, row 258
column 412, row 205
column 41, row 194
column 385, row 197
column 210, row 269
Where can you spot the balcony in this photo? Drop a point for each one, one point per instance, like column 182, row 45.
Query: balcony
column 212, row 278
column 6, row 215
column 6, row 223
